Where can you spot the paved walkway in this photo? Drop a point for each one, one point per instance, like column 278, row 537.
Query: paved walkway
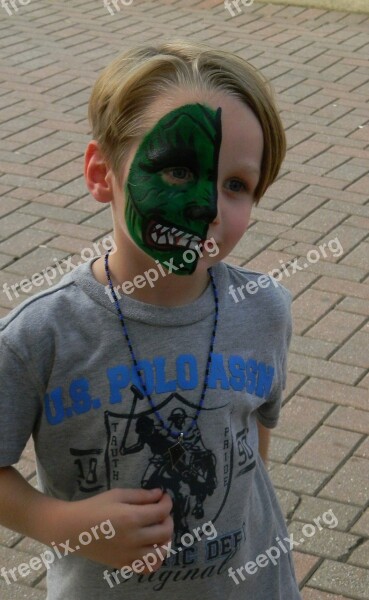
column 352, row 6
column 318, row 63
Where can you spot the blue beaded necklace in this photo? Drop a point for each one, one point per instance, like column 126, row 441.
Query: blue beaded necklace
column 177, row 451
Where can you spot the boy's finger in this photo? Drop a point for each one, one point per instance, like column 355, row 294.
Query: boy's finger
column 140, row 496
column 152, row 514
column 157, row 534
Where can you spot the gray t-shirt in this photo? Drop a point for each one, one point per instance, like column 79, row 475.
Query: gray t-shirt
column 66, row 378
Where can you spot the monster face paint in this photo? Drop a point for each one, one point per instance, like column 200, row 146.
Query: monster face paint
column 166, row 213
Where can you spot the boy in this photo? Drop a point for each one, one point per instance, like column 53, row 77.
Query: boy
column 147, row 406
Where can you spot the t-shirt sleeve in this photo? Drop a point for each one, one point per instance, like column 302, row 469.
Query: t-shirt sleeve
column 268, row 413
column 19, row 404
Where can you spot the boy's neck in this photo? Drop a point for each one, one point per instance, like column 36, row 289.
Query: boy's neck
column 169, row 291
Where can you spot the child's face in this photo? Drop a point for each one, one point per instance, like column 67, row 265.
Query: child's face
column 192, row 178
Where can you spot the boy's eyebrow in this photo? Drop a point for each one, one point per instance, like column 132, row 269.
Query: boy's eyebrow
column 248, row 167
column 245, row 166
column 170, row 156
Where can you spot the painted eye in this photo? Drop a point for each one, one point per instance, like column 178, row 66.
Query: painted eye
column 237, row 186
column 178, row 175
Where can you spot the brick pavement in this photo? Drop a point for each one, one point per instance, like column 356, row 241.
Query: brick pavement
column 318, row 64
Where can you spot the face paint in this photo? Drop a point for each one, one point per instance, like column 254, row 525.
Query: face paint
column 165, row 214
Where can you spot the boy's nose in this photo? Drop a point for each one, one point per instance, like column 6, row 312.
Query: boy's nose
column 204, row 213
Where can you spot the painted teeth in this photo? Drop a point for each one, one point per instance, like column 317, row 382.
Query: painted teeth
column 165, row 235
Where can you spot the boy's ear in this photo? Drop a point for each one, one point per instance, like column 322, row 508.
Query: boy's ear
column 98, row 174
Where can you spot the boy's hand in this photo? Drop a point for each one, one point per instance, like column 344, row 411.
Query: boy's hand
column 141, row 518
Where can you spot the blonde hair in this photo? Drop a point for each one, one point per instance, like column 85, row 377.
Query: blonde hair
column 122, row 95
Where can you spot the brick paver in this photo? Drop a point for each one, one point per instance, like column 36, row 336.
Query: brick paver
column 317, row 61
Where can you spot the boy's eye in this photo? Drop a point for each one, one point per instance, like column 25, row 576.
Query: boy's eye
column 177, row 175
column 237, row 186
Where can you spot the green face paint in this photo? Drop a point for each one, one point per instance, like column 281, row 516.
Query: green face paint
column 169, row 216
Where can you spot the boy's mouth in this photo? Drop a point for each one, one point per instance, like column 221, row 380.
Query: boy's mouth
column 166, row 237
